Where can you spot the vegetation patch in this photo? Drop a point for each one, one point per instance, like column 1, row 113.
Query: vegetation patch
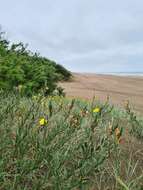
column 60, row 143
column 27, row 72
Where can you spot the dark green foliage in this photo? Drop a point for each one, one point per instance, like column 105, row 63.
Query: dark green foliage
column 61, row 70
column 27, row 72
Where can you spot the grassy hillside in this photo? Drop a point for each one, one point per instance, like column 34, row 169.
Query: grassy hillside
column 58, row 143
column 29, row 72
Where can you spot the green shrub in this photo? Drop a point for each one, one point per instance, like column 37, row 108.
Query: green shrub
column 27, row 72
column 66, row 75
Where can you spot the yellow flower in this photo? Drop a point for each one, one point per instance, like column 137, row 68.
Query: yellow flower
column 96, row 110
column 42, row 121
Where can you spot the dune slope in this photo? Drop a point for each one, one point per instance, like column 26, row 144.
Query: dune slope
column 119, row 88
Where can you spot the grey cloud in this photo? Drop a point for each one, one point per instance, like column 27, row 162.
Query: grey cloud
column 83, row 35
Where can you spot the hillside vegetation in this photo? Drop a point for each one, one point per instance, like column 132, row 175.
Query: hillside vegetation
column 26, row 71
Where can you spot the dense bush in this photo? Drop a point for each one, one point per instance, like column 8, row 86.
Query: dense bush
column 61, row 70
column 26, row 71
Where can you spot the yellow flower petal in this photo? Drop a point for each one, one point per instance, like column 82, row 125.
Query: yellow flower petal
column 42, row 121
column 96, row 110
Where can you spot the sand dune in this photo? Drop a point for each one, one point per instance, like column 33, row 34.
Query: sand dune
column 119, row 88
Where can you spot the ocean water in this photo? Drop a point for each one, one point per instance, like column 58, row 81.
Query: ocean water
column 123, row 73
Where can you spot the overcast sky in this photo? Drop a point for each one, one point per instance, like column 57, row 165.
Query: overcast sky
column 83, row 35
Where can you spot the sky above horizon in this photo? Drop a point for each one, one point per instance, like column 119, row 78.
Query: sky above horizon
column 82, row 35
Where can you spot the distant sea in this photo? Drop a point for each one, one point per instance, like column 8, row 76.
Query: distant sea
column 123, row 73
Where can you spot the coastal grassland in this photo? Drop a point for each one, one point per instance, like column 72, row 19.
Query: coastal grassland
column 60, row 143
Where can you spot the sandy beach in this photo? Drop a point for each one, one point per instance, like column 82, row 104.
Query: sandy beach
column 119, row 88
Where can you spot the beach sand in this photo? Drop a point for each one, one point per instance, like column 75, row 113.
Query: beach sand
column 119, row 88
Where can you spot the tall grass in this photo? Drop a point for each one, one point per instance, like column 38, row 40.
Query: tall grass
column 75, row 147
